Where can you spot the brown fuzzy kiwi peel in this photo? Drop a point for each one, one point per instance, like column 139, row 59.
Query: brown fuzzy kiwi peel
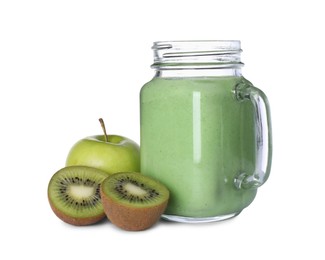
column 128, row 217
column 76, row 221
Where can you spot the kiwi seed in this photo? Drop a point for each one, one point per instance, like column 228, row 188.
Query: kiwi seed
column 74, row 195
column 133, row 201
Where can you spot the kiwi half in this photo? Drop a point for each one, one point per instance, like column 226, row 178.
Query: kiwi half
column 74, row 195
column 133, row 201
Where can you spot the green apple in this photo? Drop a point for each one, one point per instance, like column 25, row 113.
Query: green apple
column 110, row 153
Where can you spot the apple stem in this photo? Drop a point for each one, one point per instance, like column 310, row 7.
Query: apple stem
column 104, row 129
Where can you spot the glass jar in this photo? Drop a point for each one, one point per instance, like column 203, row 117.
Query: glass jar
column 205, row 130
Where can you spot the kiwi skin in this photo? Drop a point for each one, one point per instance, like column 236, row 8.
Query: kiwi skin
column 76, row 221
column 131, row 218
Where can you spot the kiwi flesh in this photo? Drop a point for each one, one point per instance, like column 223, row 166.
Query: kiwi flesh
column 74, row 195
column 133, row 201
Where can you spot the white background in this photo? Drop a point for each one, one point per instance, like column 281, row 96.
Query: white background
column 64, row 64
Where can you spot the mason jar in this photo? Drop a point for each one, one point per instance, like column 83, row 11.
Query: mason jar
column 205, row 130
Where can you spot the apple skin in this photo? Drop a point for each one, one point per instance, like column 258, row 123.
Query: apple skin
column 119, row 154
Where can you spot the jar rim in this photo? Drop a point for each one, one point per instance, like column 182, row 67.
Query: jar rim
column 199, row 44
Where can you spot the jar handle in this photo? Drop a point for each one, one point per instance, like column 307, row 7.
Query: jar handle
column 246, row 91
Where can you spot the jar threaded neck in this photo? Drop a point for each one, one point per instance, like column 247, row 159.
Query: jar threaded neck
column 171, row 55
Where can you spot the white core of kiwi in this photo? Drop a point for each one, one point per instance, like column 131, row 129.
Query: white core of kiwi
column 81, row 191
column 134, row 189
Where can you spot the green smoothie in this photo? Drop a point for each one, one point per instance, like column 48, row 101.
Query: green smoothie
column 195, row 138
